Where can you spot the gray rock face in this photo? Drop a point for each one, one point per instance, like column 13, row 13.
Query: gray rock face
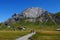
column 17, row 17
column 14, row 18
column 33, row 12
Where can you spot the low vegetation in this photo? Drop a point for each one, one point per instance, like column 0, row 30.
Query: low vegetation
column 11, row 35
column 46, row 35
column 46, row 31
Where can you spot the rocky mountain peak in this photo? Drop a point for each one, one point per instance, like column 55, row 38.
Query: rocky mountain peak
column 33, row 12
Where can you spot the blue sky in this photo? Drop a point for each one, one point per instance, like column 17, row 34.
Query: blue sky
column 9, row 7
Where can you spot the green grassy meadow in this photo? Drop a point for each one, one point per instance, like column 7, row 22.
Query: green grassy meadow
column 11, row 35
column 46, row 35
column 44, row 31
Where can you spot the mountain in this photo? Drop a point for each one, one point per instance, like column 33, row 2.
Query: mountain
column 32, row 14
column 57, row 17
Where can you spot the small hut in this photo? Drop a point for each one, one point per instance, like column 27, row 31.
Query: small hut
column 21, row 28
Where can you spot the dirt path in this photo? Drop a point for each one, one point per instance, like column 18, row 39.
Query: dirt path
column 26, row 36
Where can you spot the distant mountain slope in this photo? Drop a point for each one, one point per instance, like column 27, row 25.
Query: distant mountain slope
column 33, row 14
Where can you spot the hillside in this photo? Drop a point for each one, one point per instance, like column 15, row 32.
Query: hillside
column 33, row 16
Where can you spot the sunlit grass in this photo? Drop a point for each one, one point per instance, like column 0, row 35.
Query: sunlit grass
column 46, row 35
column 11, row 35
